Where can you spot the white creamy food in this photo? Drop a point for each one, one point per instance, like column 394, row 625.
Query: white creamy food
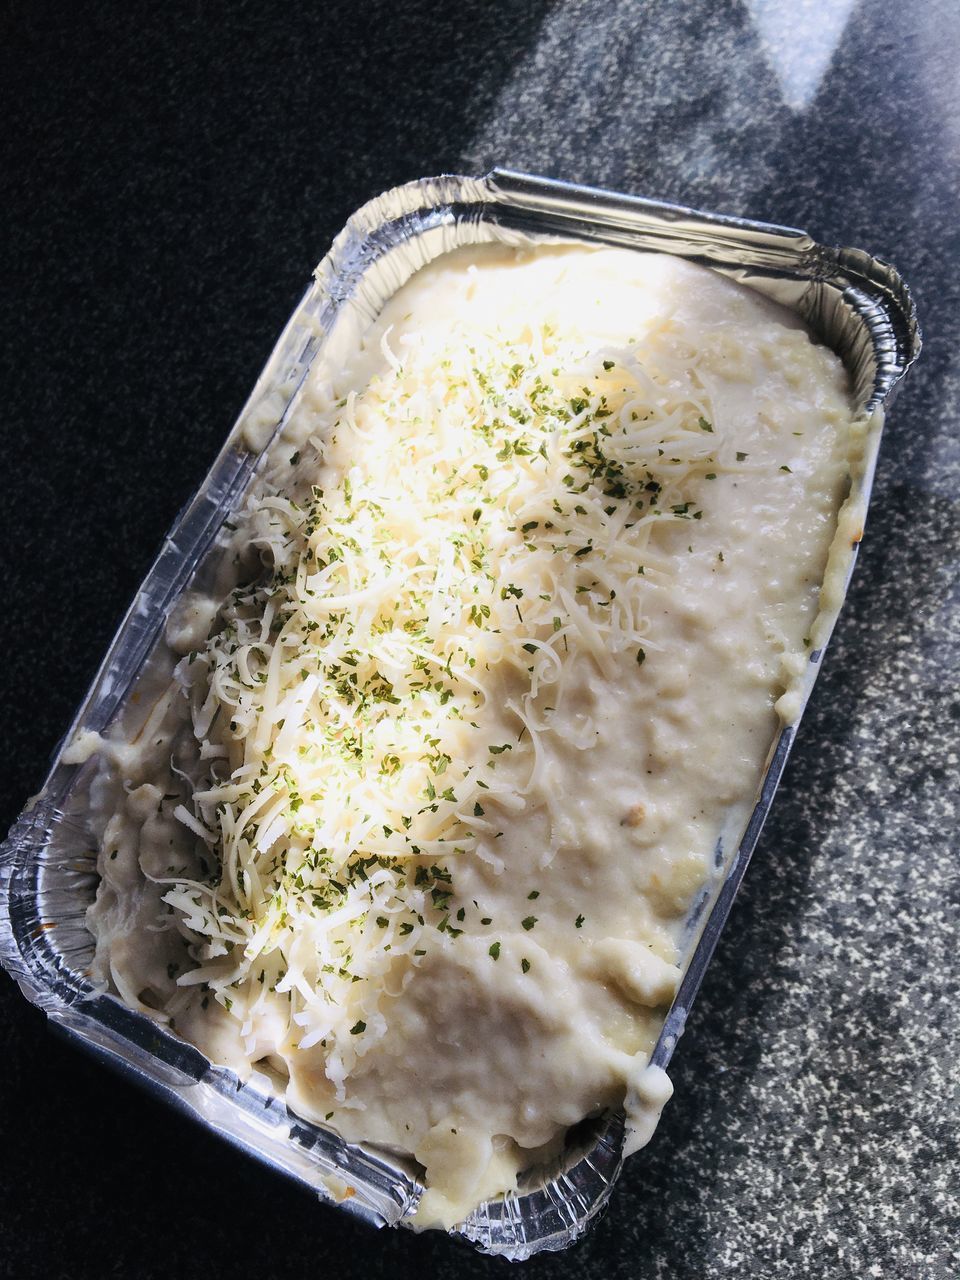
column 417, row 820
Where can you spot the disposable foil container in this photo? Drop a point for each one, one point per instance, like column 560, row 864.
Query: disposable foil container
column 856, row 304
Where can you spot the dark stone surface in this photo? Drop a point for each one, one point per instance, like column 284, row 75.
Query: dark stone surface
column 171, row 173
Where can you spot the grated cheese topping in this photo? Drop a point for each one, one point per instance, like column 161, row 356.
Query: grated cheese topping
column 476, row 508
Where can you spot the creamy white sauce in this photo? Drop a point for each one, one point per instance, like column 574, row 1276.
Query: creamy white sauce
column 556, row 738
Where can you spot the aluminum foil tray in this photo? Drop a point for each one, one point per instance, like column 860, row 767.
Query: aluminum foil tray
column 857, row 305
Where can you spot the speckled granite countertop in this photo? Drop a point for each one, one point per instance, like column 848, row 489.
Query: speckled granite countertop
column 171, row 180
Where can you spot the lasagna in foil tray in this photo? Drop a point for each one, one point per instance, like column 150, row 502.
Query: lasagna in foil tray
column 396, row 831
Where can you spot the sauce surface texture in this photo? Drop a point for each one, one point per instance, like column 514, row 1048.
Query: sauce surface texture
column 417, row 819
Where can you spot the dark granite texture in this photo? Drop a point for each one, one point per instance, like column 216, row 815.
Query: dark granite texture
column 171, row 173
